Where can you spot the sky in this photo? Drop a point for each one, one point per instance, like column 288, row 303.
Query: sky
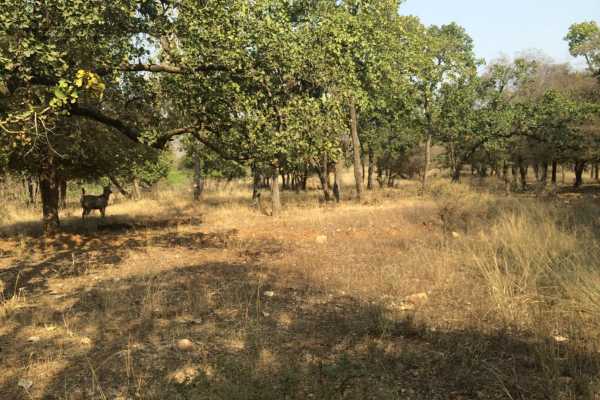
column 507, row 27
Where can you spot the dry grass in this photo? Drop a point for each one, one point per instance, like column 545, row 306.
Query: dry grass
column 319, row 303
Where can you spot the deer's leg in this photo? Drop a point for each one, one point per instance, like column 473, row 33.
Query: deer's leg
column 102, row 211
column 83, row 214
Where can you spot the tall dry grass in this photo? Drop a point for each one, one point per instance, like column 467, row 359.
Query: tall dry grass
column 538, row 260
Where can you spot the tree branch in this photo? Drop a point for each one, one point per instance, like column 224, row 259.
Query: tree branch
column 171, row 69
column 131, row 133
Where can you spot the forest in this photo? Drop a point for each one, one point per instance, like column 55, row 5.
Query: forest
column 292, row 199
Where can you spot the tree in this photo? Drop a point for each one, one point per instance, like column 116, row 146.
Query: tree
column 447, row 57
column 584, row 41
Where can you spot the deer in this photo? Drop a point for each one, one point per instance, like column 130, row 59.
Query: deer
column 90, row 202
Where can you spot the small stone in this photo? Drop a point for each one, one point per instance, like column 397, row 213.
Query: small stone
column 418, row 298
column 33, row 339
column 455, row 235
column 85, row 341
column 560, row 339
column 185, row 344
column 25, row 383
column 266, row 314
column 269, row 293
column 321, row 239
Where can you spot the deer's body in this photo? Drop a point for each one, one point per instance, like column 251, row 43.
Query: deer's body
column 89, row 202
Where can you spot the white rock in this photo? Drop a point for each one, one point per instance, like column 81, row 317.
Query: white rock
column 418, row 298
column 455, row 235
column 25, row 383
column 560, row 339
column 269, row 293
column 33, row 339
column 185, row 344
column 321, row 239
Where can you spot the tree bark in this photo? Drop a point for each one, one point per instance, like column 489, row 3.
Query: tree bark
column 324, row 177
column 337, row 180
column 427, row 160
column 136, row 189
column 31, row 190
column 356, row 151
column 554, row 170
column 544, row 173
column 505, row 168
column 579, row 169
column 371, row 170
column 275, row 194
column 457, row 172
column 256, row 181
column 62, row 192
column 523, row 171
column 50, row 192
column 198, row 178
column 119, row 187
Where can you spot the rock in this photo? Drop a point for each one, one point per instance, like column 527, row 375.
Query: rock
column 417, row 298
column 269, row 293
column 33, row 339
column 25, row 384
column 184, row 344
column 321, row 239
column 560, row 339
column 85, row 341
column 455, row 235
column 266, row 314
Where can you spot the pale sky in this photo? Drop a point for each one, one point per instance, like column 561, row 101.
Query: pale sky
column 507, row 27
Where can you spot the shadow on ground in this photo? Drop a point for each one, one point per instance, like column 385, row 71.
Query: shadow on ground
column 255, row 333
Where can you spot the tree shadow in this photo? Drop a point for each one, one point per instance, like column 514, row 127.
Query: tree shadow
column 78, row 252
column 255, row 333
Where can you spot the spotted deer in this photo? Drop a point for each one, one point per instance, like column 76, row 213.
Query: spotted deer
column 90, row 202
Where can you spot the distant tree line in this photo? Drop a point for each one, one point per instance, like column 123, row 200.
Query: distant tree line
column 292, row 88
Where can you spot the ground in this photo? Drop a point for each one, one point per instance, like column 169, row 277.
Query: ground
column 167, row 299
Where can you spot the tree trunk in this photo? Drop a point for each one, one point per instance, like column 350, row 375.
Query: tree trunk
column 505, row 168
column 596, row 172
column 536, row 171
column 356, row 150
column 136, row 189
column 31, row 190
column 579, row 168
column 523, row 171
column 371, row 170
column 427, row 160
column 305, row 179
column 275, row 195
column 337, row 179
column 49, row 190
column 380, row 179
column 457, row 172
column 544, row 173
column 514, row 173
column 324, row 177
column 554, row 170
column 198, row 178
column 120, row 188
column 62, row 192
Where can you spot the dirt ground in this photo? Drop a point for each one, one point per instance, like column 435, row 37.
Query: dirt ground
column 170, row 300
